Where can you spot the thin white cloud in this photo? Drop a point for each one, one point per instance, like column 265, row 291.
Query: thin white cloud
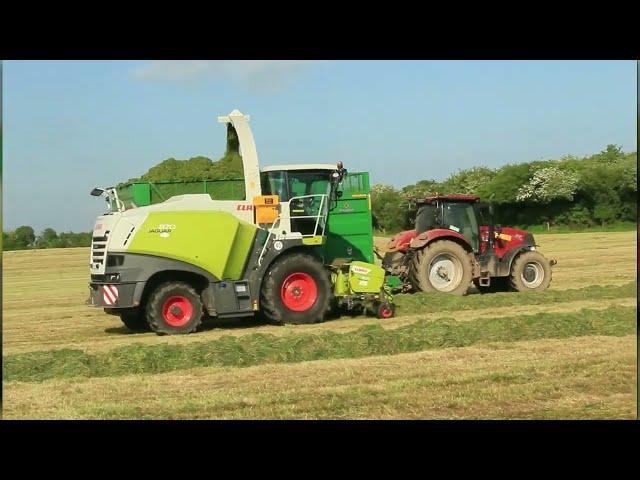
column 252, row 74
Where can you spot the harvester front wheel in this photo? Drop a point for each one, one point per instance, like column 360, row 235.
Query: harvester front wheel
column 296, row 290
column 134, row 319
column 530, row 272
column 174, row 308
column 442, row 266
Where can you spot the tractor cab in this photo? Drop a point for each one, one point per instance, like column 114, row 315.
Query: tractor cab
column 459, row 213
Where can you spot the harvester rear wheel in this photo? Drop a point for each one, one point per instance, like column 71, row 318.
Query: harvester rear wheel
column 134, row 319
column 296, row 290
column 530, row 272
column 442, row 266
column 174, row 308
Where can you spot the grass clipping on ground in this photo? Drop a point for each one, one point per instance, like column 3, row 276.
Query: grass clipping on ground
column 436, row 302
column 255, row 349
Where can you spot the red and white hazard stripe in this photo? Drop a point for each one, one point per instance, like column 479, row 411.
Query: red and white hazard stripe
column 110, row 294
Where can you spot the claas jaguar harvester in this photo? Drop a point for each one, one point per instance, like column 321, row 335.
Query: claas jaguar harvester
column 295, row 248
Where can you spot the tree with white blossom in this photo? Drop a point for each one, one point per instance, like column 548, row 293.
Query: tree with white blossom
column 549, row 184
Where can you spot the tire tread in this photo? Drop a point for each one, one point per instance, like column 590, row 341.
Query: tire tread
column 154, row 306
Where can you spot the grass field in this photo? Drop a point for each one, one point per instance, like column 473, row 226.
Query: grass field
column 570, row 352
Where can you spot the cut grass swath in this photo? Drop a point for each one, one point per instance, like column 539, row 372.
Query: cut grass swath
column 438, row 302
column 370, row 340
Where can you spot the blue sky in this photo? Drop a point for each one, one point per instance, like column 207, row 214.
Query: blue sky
column 72, row 125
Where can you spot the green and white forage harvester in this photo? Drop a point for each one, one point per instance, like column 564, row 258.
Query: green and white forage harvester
column 295, row 248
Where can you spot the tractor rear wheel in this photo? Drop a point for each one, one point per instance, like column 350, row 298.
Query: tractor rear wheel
column 530, row 272
column 296, row 290
column 174, row 308
column 442, row 266
column 134, row 319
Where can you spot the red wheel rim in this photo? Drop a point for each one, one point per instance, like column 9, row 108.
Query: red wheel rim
column 386, row 312
column 177, row 311
column 299, row 292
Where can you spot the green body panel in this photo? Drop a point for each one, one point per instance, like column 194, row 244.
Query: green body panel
column 365, row 277
column 141, row 194
column 216, row 241
column 315, row 240
column 349, row 228
column 340, row 282
column 357, row 277
column 392, row 281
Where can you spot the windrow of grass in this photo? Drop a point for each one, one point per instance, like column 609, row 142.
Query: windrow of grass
column 255, row 349
column 437, row 302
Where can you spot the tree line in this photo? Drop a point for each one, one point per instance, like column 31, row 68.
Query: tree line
column 577, row 192
column 24, row 238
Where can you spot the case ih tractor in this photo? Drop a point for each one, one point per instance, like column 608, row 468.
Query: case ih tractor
column 456, row 242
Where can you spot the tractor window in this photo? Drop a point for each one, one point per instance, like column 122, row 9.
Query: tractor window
column 462, row 216
column 426, row 218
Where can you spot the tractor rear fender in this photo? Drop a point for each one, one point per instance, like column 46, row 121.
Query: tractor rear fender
column 425, row 238
column 421, row 240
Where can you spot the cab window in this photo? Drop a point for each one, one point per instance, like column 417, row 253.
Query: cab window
column 307, row 183
column 274, row 183
column 462, row 216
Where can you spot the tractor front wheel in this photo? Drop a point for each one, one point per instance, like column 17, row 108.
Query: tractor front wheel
column 296, row 290
column 174, row 308
column 530, row 272
column 442, row 266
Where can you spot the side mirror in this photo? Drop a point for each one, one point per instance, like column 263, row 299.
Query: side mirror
column 96, row 192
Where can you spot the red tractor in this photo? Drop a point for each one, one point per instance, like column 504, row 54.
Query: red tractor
column 456, row 242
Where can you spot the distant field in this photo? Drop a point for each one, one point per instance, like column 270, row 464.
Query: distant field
column 567, row 353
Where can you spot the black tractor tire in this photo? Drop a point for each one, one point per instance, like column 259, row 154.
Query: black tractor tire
column 530, row 272
column 134, row 319
column 498, row 284
column 447, row 250
column 296, row 290
column 174, row 308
